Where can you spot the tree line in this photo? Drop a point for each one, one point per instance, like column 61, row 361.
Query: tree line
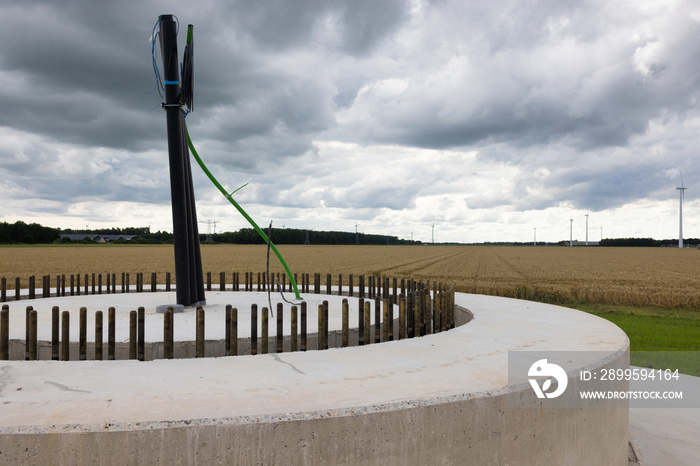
column 647, row 242
column 33, row 233
column 300, row 236
column 22, row 233
column 247, row 236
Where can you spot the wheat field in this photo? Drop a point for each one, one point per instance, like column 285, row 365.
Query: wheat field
column 663, row 277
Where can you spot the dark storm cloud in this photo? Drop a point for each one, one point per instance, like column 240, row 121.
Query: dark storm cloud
column 80, row 71
column 592, row 92
column 360, row 25
column 74, row 73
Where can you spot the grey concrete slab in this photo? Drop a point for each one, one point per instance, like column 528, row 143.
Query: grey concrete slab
column 462, row 362
column 425, row 399
column 669, row 436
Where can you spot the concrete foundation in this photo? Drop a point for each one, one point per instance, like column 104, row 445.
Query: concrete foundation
column 438, row 399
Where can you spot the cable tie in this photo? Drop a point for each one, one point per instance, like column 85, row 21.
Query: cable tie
column 176, row 83
column 182, row 107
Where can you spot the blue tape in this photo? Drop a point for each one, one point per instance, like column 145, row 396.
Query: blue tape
column 177, row 83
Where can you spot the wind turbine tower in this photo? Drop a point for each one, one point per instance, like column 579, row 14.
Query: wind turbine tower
column 357, row 237
column 535, row 239
column 586, row 229
column 433, row 225
column 680, row 227
column 571, row 232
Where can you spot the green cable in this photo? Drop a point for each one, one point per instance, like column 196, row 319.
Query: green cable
column 243, row 212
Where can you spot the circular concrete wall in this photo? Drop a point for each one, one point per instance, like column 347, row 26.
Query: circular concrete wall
column 441, row 398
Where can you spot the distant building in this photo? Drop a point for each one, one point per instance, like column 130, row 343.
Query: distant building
column 97, row 238
column 583, row 243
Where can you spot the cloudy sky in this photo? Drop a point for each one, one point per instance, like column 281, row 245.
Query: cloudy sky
column 485, row 119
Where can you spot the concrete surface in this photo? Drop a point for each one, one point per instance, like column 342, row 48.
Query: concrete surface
column 436, row 399
column 668, row 436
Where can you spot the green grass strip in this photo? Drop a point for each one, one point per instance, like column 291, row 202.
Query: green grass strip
column 659, row 338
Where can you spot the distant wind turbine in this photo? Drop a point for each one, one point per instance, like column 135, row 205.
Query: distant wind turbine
column 680, row 227
column 571, row 232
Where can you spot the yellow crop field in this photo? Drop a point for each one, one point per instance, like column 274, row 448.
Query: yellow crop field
column 664, row 277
